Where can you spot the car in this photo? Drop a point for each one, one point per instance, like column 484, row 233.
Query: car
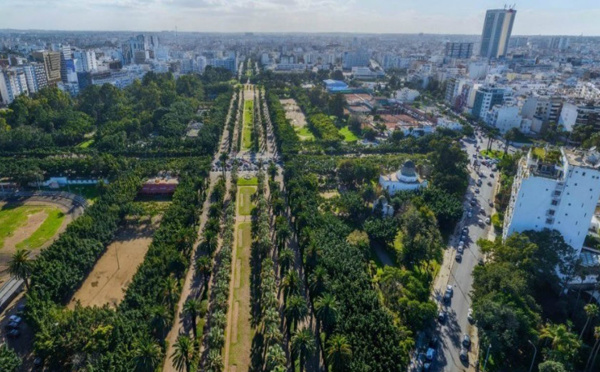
column 479, row 182
column 469, row 214
column 459, row 257
column 487, row 220
column 465, row 230
column 464, row 355
column 491, row 204
column 480, row 262
column 460, row 250
column 11, row 325
column 473, row 202
column 13, row 333
column 470, row 315
column 466, row 341
column 426, row 367
column 492, row 174
column 489, row 183
column 15, row 318
column 476, row 191
column 447, row 298
column 442, row 316
column 430, row 354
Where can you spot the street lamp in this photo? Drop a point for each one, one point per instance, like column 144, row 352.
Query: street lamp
column 487, row 355
column 534, row 354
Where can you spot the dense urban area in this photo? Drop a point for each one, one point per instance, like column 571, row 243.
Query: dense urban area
column 178, row 201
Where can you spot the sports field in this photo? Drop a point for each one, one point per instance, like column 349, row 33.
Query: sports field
column 245, row 203
column 28, row 226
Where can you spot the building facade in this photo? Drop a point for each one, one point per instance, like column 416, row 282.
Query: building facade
column 459, row 50
column 497, row 29
column 487, row 97
column 559, row 193
column 51, row 61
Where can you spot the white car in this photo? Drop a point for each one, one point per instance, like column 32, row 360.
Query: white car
column 487, row 220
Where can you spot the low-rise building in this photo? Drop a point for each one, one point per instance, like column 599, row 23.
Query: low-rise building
column 405, row 179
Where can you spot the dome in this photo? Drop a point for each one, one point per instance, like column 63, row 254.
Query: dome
column 408, row 169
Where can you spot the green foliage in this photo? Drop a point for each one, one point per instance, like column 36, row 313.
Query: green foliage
column 287, row 139
column 9, row 360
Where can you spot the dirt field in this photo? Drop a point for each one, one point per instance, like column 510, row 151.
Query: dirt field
column 293, row 112
column 27, row 218
column 113, row 272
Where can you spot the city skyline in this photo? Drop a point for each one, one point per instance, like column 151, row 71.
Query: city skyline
column 379, row 16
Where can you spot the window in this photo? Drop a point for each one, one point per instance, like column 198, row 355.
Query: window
column 583, row 174
column 551, row 212
column 554, row 202
column 556, row 193
column 548, row 221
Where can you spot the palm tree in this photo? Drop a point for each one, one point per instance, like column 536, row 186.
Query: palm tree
column 192, row 308
column 214, row 361
column 275, row 357
column 592, row 311
column 326, row 309
column 563, row 342
column 295, row 311
column 20, row 266
column 594, row 352
column 339, row 353
column 183, row 354
column 147, row 356
column 510, row 136
column 204, row 267
column 223, row 158
column 291, row 283
column 170, row 290
column 303, row 345
column 286, row 258
column 318, row 280
column 160, row 320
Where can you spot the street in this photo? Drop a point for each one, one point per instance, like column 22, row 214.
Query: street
column 459, row 274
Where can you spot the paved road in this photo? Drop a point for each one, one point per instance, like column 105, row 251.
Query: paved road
column 459, row 275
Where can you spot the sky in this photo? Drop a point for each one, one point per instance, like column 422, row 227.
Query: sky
column 534, row 17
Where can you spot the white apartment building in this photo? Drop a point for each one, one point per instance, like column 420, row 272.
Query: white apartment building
column 407, row 95
column 504, row 118
column 559, row 195
column 12, row 84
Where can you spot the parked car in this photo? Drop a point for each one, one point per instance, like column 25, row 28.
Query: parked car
column 459, row 257
column 442, row 316
column 450, row 290
column 470, row 315
column 489, row 183
column 15, row 318
column 460, row 249
column 464, row 355
column 430, row 354
column 466, row 341
column 13, row 333
column 487, row 220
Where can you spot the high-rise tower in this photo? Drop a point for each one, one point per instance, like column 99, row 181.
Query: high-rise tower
column 496, row 32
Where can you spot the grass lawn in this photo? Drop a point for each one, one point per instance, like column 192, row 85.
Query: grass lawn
column 253, row 181
column 494, row 154
column 85, row 144
column 49, row 227
column 245, row 203
column 248, row 124
column 13, row 217
column 304, row 134
column 348, row 135
column 240, row 346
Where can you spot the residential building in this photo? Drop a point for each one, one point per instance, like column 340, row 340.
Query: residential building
column 478, row 70
column 51, row 61
column 35, row 74
column 229, row 63
column 497, row 29
column 558, row 190
column 407, row 95
column 454, row 87
column 545, row 108
column 488, row 96
column 459, row 50
column 359, row 58
column 12, row 84
column 504, row 118
column 572, row 115
column 405, row 179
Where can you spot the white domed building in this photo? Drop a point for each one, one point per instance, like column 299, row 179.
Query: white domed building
column 405, row 179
